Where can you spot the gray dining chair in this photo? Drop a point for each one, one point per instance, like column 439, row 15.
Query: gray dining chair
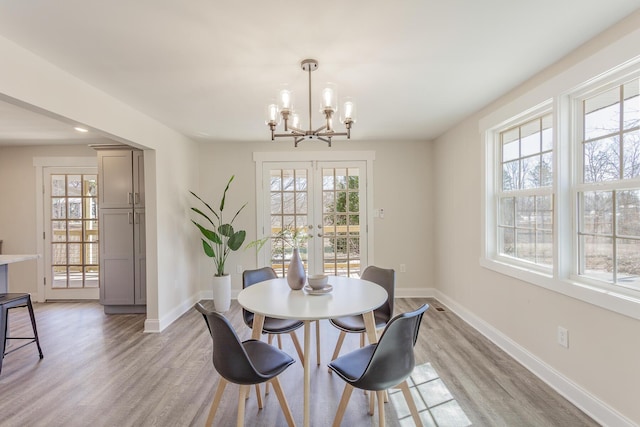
column 381, row 366
column 249, row 362
column 272, row 326
column 355, row 324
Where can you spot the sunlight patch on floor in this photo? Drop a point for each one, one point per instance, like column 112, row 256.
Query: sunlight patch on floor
column 436, row 405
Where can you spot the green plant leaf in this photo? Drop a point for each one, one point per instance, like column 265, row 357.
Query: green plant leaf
column 207, row 249
column 236, row 240
column 226, row 230
column 209, row 234
column 224, row 194
column 207, row 205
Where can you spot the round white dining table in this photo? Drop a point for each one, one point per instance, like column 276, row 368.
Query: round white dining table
column 350, row 296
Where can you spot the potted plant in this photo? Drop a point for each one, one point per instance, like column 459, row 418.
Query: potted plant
column 219, row 239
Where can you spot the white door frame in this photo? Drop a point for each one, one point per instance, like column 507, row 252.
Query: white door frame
column 262, row 158
column 40, row 163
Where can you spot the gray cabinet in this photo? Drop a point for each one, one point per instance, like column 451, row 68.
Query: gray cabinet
column 122, row 230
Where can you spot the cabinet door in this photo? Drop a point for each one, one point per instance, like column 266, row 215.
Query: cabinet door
column 138, row 179
column 116, row 257
column 140, row 255
column 115, row 179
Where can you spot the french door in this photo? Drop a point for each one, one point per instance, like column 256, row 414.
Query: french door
column 71, row 233
column 324, row 204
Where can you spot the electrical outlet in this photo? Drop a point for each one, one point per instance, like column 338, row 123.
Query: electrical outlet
column 563, row 337
column 239, row 269
column 403, row 268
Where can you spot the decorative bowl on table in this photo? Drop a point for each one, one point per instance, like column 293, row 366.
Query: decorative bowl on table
column 318, row 281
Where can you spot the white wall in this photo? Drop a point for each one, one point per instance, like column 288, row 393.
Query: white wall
column 599, row 371
column 402, row 186
column 18, row 206
column 170, row 168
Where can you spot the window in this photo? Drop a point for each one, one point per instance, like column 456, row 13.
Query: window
column 608, row 194
column 561, row 207
column 525, row 199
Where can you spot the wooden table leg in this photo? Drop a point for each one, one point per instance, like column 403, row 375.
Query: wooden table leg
column 307, row 373
column 370, row 326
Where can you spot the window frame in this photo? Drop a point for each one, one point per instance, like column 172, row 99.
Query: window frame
column 558, row 94
column 575, row 101
column 494, row 191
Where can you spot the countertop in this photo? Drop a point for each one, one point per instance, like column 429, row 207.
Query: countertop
column 8, row 259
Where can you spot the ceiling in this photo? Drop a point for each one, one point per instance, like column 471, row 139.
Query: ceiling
column 209, row 68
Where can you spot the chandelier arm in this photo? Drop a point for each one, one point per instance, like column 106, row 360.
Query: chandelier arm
column 290, row 135
column 331, row 134
column 297, row 130
column 318, row 131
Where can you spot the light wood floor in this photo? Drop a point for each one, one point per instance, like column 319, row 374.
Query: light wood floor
column 102, row 370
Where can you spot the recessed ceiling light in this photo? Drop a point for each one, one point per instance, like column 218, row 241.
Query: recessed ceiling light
column 79, row 129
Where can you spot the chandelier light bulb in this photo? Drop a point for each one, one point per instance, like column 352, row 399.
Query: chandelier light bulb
column 329, row 98
column 286, row 99
column 272, row 114
column 348, row 111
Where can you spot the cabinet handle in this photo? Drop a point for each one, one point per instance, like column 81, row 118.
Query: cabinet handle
column 136, row 198
column 129, row 217
column 137, row 218
column 130, row 196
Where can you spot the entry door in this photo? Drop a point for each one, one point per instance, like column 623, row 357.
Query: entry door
column 71, row 233
column 326, row 202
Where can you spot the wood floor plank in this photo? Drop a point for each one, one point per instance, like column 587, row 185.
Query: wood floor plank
column 101, row 370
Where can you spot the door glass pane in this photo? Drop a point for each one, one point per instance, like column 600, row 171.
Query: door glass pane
column 288, row 204
column 341, row 221
column 74, row 230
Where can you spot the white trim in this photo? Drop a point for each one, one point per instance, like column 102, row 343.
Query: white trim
column 39, row 164
column 588, row 403
column 611, row 299
column 299, row 156
column 312, row 156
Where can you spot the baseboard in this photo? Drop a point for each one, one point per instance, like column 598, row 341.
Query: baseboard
column 158, row 325
column 589, row 404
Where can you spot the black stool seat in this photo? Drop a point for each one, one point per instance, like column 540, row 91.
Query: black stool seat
column 7, row 302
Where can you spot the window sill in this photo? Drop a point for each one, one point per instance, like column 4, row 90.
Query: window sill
column 618, row 302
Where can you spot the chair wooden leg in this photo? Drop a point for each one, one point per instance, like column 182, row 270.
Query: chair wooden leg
column 259, row 396
column 372, row 402
column 362, row 340
column 318, row 342
column 342, row 407
column 283, row 402
column 270, row 339
column 241, row 400
column 380, row 396
column 279, row 342
column 296, row 344
column 336, row 351
column 216, row 401
column 410, row 403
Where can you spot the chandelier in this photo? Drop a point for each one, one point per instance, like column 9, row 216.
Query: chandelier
column 284, row 112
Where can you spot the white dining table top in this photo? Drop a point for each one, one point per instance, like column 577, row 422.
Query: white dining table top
column 350, row 296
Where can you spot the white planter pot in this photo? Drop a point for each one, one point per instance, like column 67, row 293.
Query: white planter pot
column 222, row 292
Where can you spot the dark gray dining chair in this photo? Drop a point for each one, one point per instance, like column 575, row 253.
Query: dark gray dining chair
column 381, row 366
column 355, row 324
column 245, row 363
column 272, row 326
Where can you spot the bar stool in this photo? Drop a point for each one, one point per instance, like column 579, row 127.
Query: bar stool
column 7, row 302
